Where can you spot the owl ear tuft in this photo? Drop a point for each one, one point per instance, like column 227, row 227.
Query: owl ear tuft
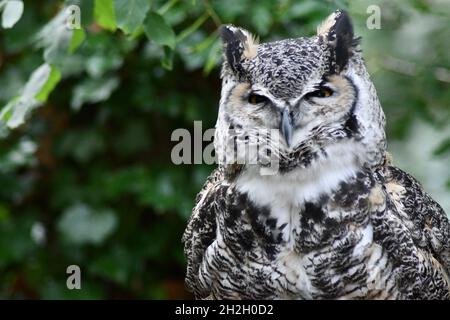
column 238, row 45
column 337, row 30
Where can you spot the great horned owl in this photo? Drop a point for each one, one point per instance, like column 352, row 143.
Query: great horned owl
column 337, row 219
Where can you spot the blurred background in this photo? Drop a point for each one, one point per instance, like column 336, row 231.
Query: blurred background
column 86, row 117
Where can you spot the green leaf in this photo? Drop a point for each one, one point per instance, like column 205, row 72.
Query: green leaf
column 158, row 31
column 167, row 61
column 213, row 57
column 104, row 14
column 12, row 13
column 93, row 91
column 77, row 39
column 80, row 224
column 52, row 81
column 98, row 64
column 130, row 14
column 443, row 147
column 193, row 27
column 8, row 110
column 55, row 38
column 14, row 113
column 37, row 81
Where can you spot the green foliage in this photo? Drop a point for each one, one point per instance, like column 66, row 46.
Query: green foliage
column 86, row 117
column 12, row 11
column 105, row 15
column 35, row 91
column 80, row 224
column 158, row 31
column 130, row 14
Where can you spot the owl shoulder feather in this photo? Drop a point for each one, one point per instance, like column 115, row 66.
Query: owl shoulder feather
column 201, row 229
column 428, row 223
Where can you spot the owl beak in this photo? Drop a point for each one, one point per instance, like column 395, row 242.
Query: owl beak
column 286, row 126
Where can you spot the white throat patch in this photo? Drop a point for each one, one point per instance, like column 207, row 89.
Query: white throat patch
column 286, row 194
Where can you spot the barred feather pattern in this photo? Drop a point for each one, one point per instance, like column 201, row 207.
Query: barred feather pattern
column 337, row 220
column 378, row 235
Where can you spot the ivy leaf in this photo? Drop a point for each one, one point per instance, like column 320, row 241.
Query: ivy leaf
column 13, row 114
column 80, row 224
column 78, row 36
column 35, row 92
column 55, row 38
column 12, row 13
column 104, row 14
column 50, row 84
column 37, row 81
column 93, row 91
column 130, row 14
column 158, row 31
column 213, row 57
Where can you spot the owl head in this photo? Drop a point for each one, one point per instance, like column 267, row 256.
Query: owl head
column 314, row 91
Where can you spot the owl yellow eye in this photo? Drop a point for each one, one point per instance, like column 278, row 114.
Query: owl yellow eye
column 256, row 99
column 322, row 92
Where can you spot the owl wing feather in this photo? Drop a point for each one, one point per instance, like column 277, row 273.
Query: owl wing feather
column 201, row 230
column 425, row 220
